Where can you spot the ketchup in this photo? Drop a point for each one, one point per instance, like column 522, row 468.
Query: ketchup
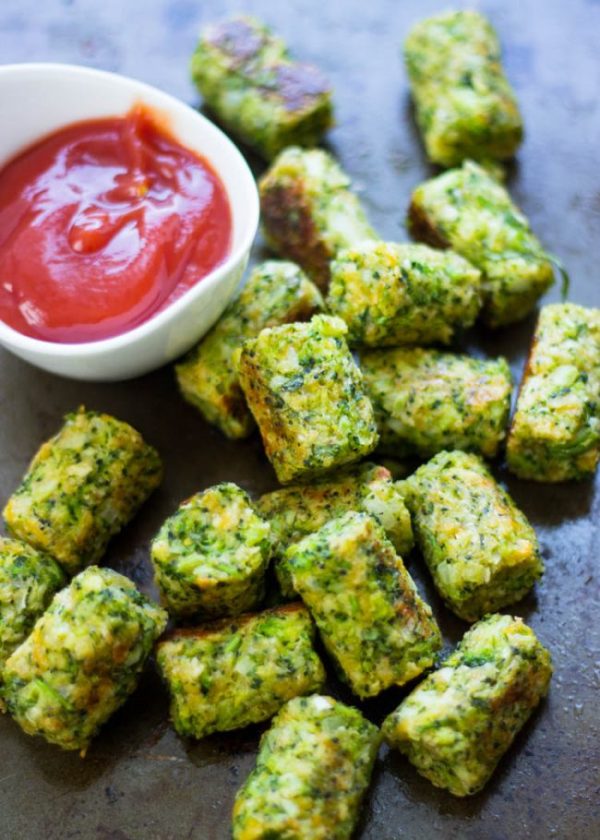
column 103, row 224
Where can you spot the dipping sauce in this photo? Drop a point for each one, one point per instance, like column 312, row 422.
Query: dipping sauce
column 103, row 224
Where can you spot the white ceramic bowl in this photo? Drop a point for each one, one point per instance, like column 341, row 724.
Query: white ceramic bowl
column 36, row 99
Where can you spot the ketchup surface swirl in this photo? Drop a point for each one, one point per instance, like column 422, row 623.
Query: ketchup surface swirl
column 103, row 224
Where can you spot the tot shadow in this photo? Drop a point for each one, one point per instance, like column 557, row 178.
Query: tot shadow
column 367, row 805
column 416, row 152
column 512, row 342
column 504, row 781
column 135, row 727
column 234, row 750
column 551, row 504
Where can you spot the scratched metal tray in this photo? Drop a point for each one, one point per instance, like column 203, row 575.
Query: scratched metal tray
column 139, row 780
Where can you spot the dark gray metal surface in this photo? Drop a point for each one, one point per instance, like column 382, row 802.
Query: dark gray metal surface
column 139, row 781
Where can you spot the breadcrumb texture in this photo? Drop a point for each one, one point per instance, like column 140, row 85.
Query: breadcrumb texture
column 309, row 211
column 256, row 90
column 211, row 555
column 82, row 659
column 295, row 512
column 555, row 432
column 457, row 724
column 313, row 768
column 28, row 580
column 465, row 105
column 390, row 294
column 82, row 487
column 277, row 292
column 426, row 401
column 481, row 550
column 468, row 210
column 373, row 623
column 232, row 673
column 306, row 394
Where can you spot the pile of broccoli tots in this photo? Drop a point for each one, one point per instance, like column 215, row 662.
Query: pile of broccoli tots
column 340, row 355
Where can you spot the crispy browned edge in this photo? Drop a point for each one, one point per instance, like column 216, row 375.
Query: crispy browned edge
column 215, row 627
column 235, row 404
column 422, row 229
column 237, row 38
column 236, row 407
column 271, row 423
column 298, row 240
column 521, row 691
column 298, row 84
column 300, row 312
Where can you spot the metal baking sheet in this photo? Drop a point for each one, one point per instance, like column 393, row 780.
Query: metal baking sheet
column 139, row 780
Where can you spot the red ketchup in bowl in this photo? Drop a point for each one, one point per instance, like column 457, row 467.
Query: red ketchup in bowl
column 103, row 224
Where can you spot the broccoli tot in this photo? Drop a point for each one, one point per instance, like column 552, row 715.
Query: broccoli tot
column 465, row 106
column 469, row 211
column 390, row 294
column 82, row 659
column 306, row 395
column 313, row 768
column 555, row 432
column 268, row 100
column 211, row 555
column 308, row 211
column 232, row 673
column 28, row 580
column 276, row 293
column 480, row 549
column 426, row 401
column 82, row 487
column 295, row 512
column 457, row 724
column 371, row 619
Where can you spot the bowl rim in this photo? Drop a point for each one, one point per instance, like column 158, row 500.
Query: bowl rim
column 20, row 341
